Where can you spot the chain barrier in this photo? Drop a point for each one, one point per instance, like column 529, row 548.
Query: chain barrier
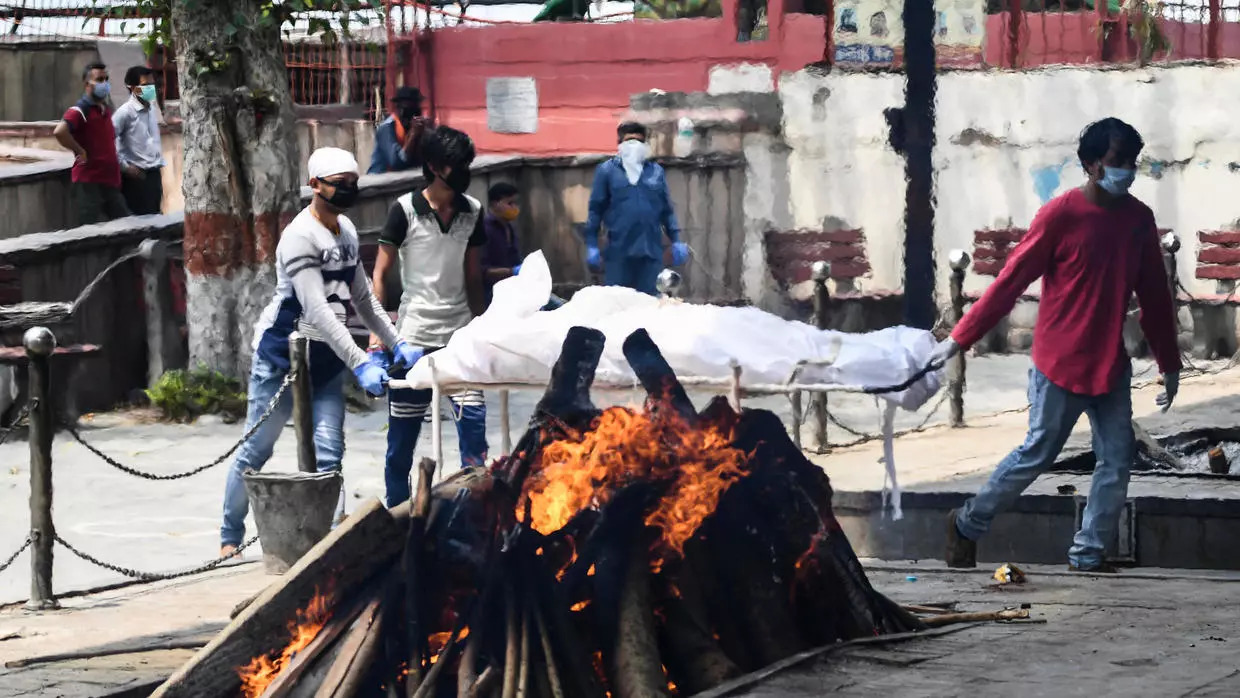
column 17, row 422
column 271, row 406
column 154, row 576
column 7, row 563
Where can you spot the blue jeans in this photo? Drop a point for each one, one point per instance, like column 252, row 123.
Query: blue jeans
column 1053, row 412
column 637, row 273
column 328, row 407
column 406, row 410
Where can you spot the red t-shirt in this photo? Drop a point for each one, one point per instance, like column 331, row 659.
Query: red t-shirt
column 91, row 125
column 1091, row 260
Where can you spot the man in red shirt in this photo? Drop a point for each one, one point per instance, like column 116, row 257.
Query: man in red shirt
column 86, row 130
column 1093, row 247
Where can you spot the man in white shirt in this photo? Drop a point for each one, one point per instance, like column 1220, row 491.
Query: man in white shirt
column 320, row 283
column 438, row 234
column 138, row 144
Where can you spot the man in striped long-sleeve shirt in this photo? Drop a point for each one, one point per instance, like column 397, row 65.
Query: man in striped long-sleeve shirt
column 319, row 284
column 1093, row 247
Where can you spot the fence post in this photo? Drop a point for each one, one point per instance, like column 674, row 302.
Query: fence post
column 1212, row 29
column 163, row 337
column 1171, row 245
column 820, row 272
column 40, row 343
column 303, row 411
column 959, row 261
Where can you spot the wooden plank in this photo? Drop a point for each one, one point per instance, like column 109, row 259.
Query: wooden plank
column 678, row 187
column 735, row 257
column 717, row 240
column 365, row 543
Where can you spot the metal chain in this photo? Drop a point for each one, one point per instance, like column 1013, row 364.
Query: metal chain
column 19, row 551
column 151, row 576
column 17, row 422
column 863, row 437
column 271, row 406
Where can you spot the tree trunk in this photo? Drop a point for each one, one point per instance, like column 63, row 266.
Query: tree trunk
column 240, row 172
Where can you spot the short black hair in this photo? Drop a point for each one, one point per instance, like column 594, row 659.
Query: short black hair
column 1098, row 137
column 444, row 146
column 629, row 127
column 500, row 191
column 92, row 68
column 134, row 75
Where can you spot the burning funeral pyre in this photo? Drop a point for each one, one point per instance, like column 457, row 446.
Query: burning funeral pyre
column 627, row 553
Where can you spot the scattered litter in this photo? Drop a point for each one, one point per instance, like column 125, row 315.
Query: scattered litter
column 1008, row 573
column 1066, row 489
column 911, row 578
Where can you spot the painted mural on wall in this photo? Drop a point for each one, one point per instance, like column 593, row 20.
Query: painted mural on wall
column 869, row 34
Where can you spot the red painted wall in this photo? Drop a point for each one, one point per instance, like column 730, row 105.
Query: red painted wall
column 585, row 73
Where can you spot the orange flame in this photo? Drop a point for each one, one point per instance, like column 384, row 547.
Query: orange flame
column 623, row 446
column 262, row 670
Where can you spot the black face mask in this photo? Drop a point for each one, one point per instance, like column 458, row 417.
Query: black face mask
column 458, row 180
column 408, row 114
column 343, row 197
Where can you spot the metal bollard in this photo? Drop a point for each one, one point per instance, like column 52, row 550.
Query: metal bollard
column 303, row 409
column 959, row 261
column 1171, row 245
column 820, row 272
column 40, row 343
column 668, row 283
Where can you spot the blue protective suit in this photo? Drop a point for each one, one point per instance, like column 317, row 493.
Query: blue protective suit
column 636, row 216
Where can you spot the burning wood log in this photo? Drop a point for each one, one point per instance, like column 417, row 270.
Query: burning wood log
column 364, row 543
column 637, row 672
column 358, row 649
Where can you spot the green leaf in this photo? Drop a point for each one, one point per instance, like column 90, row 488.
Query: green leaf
column 230, row 30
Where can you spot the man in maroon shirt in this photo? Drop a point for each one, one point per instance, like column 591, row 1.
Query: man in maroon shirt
column 1093, row 247
column 86, row 130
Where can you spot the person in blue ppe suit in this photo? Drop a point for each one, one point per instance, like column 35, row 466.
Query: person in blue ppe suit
column 631, row 199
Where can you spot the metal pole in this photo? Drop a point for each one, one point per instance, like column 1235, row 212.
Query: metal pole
column 40, row 343
column 436, row 418
column 959, row 260
column 505, row 424
column 820, row 272
column 303, row 410
column 919, row 71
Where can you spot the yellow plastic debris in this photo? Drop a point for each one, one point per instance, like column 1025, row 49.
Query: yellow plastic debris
column 1008, row 573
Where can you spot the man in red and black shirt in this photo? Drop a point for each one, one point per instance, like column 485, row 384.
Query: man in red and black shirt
column 86, row 130
column 1093, row 247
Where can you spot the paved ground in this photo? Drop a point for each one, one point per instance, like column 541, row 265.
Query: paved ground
column 1151, row 633
column 161, row 526
column 1142, row 633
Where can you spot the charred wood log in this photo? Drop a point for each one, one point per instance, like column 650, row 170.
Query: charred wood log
column 637, row 669
column 412, row 567
column 656, row 375
column 359, row 647
column 694, row 660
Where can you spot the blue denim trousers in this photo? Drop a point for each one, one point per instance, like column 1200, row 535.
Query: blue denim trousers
column 637, row 273
column 327, row 401
column 407, row 409
column 1053, row 412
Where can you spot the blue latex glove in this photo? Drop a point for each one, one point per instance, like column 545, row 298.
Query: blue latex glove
column 680, row 253
column 372, row 378
column 593, row 258
column 406, row 354
column 380, row 357
column 516, row 270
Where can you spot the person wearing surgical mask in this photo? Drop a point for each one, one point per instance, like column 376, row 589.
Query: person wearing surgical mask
column 86, row 131
column 320, row 286
column 138, row 145
column 1093, row 247
column 630, row 199
column 434, row 237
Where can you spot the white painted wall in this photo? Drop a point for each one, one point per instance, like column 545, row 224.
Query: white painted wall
column 1006, row 142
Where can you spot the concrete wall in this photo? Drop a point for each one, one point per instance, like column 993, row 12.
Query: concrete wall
column 38, row 80
column 1006, row 144
column 44, row 208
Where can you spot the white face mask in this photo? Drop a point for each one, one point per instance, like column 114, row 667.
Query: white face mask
column 633, row 155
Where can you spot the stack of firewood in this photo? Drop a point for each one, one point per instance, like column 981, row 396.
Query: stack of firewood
column 467, row 591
